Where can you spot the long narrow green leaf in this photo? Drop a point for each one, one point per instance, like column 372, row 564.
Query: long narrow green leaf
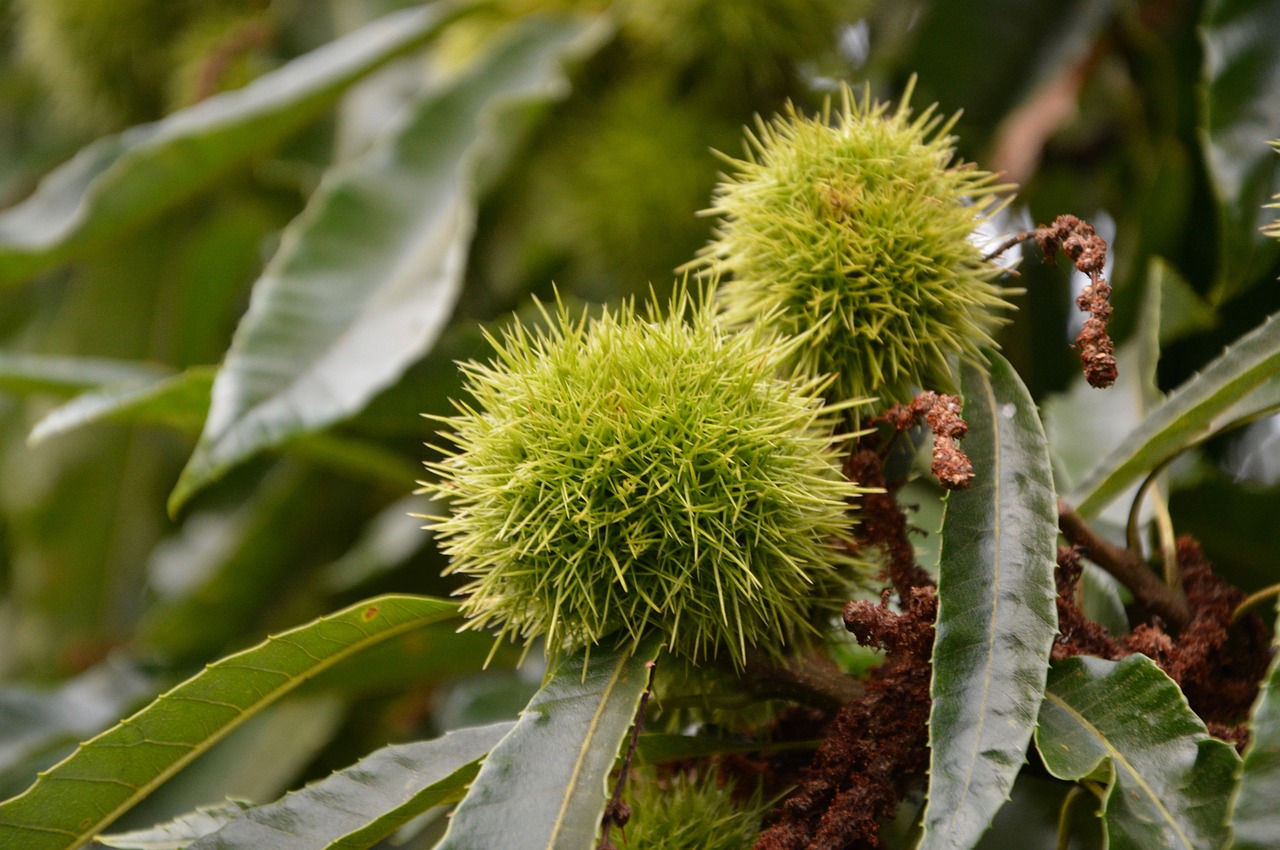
column 1255, row 818
column 1188, row 413
column 367, row 277
column 996, row 614
column 180, row 401
column 120, row 181
column 544, row 786
column 103, row 778
column 1128, row 724
column 1242, row 112
column 355, row 807
column 179, row 833
column 24, row 374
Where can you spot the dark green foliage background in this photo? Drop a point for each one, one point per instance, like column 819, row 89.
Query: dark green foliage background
column 1151, row 120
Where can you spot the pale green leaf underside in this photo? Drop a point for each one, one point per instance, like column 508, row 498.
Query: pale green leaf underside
column 26, row 374
column 544, row 785
column 104, row 777
column 180, row 401
column 118, row 182
column 1128, row 723
column 366, row 278
column 358, row 806
column 996, row 613
column 180, row 832
column 1189, row 413
column 1255, row 817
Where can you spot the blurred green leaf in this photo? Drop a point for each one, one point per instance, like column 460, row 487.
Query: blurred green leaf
column 180, row 832
column 996, row 615
column 355, row 807
column 1127, row 725
column 988, row 57
column 393, row 536
column 1255, row 818
column 25, row 374
column 1189, row 413
column 118, row 182
column 367, row 277
column 1242, row 113
column 177, row 401
column 34, row 723
column 106, row 776
column 544, row 785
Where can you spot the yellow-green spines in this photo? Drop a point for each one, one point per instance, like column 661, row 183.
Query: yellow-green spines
column 644, row 473
column 853, row 231
column 684, row 812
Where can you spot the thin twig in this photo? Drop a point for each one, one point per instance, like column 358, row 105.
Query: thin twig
column 616, row 811
column 1127, row 567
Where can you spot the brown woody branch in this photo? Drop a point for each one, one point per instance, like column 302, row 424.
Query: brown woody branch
column 1129, row 569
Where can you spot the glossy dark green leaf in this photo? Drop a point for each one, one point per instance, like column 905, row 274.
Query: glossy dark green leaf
column 354, row 807
column 1242, row 113
column 118, row 182
column 544, row 785
column 367, row 277
column 996, row 614
column 104, row 777
column 1190, row 412
column 179, row 401
column 1127, row 725
column 1255, row 817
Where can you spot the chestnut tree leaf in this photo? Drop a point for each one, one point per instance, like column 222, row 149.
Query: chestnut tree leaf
column 368, row 275
column 1192, row 411
column 1255, row 818
column 121, row 181
column 1240, row 79
column 354, row 807
column 996, row 613
column 1127, row 725
column 544, row 785
column 103, row 778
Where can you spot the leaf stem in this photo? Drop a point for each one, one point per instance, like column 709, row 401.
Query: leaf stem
column 812, row 680
column 1127, row 567
column 1253, row 599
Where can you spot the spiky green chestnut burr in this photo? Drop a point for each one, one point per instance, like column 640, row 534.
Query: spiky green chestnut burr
column 644, row 473
column 853, row 232
column 684, row 812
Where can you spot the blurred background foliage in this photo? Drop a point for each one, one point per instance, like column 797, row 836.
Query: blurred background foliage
column 1149, row 119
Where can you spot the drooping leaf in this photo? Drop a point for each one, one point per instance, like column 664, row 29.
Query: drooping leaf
column 1128, row 725
column 179, row 401
column 36, row 723
column 354, row 807
column 544, row 785
column 118, row 182
column 1255, row 818
column 996, row 614
column 367, row 277
column 107, row 775
column 24, row 374
column 1241, row 78
column 180, row 832
column 1190, row 412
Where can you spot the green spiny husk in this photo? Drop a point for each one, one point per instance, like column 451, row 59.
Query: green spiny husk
column 642, row 472
column 853, row 231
